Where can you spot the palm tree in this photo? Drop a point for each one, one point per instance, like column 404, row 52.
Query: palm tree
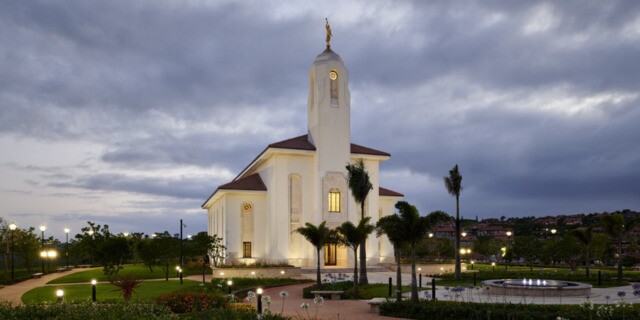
column 584, row 235
column 360, row 185
column 353, row 236
column 415, row 228
column 318, row 236
column 392, row 227
column 615, row 226
column 453, row 183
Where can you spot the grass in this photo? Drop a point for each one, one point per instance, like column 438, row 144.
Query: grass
column 138, row 270
column 105, row 291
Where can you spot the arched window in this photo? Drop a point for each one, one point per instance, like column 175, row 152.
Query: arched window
column 247, row 228
column 333, row 87
column 334, row 200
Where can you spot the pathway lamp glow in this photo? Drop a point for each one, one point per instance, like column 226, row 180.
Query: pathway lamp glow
column 59, row 294
column 229, row 284
column 430, row 235
column 93, row 289
column 13, row 228
column 464, row 234
column 493, row 265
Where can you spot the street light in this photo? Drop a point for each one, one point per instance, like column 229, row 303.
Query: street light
column 553, row 231
column 464, row 234
column 181, row 258
column 66, row 231
column 12, row 227
column 430, row 235
column 93, row 289
column 42, row 229
column 179, row 272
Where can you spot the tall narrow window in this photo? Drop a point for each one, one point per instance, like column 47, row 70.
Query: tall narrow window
column 333, row 86
column 334, row 200
column 246, row 249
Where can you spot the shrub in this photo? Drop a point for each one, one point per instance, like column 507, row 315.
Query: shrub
column 185, row 301
column 84, row 310
column 127, row 285
column 449, row 310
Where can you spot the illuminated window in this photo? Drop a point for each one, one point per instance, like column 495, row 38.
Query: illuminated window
column 334, row 201
column 246, row 249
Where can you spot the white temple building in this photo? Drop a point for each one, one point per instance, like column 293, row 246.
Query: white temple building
column 303, row 179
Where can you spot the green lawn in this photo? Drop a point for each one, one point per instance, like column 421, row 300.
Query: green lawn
column 105, row 291
column 138, row 270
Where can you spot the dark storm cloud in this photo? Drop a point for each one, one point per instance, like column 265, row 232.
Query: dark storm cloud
column 537, row 102
column 189, row 188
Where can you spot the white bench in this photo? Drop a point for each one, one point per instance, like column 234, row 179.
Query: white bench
column 37, row 275
column 335, row 295
column 375, row 304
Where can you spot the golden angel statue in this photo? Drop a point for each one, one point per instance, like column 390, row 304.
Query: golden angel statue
column 329, row 34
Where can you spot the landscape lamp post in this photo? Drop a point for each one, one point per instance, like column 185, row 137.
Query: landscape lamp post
column 42, row 254
column 181, row 258
column 259, row 292
column 66, row 246
column 51, row 255
column 93, row 289
column 553, row 237
column 493, row 266
column 12, row 227
column 59, row 294
column 507, row 248
column 229, row 284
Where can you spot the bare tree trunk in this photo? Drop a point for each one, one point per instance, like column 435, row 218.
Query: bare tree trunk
column 356, row 287
column 318, row 282
column 363, row 254
column 414, row 284
column 458, row 267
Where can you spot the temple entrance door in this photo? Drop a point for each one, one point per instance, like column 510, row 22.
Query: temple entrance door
column 330, row 255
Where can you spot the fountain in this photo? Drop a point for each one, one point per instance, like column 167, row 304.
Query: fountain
column 529, row 287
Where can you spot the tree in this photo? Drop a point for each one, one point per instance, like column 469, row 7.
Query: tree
column 391, row 226
column 415, row 228
column 318, row 236
column 527, row 248
column 168, row 250
column 360, row 185
column 353, row 236
column 615, row 226
column 568, row 250
column 453, row 183
column 584, row 236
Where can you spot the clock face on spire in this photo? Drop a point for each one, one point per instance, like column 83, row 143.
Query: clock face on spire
column 333, row 75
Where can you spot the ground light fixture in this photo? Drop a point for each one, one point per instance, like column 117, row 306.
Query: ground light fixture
column 59, row 294
column 259, row 292
column 229, row 284
column 493, row 265
column 42, row 229
column 93, row 289
column 66, row 246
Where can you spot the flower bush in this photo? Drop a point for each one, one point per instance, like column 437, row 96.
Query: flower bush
column 185, row 302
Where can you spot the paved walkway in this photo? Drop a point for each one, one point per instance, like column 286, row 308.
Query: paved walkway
column 12, row 293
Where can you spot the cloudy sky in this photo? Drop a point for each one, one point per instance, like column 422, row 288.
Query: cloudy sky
column 130, row 113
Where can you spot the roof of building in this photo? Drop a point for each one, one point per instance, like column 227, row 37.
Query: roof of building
column 298, row 143
column 389, row 193
column 252, row 182
column 302, row 143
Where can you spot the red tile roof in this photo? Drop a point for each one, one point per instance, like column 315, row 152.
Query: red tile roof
column 298, row 143
column 303, row 143
column 252, row 182
column 390, row 193
column 364, row 150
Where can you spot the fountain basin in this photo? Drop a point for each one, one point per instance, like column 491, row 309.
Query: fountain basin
column 550, row 288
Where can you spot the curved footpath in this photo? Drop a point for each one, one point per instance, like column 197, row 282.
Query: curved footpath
column 12, row 293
